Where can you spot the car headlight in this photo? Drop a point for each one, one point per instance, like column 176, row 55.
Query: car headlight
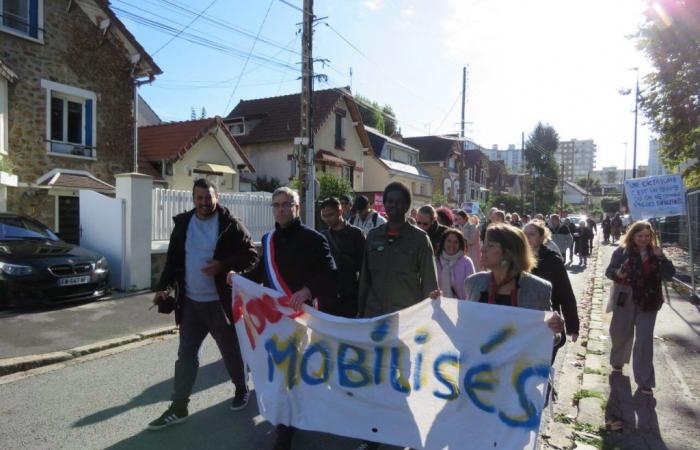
column 101, row 265
column 15, row 270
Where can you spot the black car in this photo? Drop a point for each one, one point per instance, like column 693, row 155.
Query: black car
column 37, row 267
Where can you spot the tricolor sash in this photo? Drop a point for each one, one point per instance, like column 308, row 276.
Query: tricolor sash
column 271, row 268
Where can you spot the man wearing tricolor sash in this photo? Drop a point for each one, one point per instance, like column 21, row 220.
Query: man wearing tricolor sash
column 297, row 261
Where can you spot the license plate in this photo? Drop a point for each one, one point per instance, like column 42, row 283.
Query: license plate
column 72, row 281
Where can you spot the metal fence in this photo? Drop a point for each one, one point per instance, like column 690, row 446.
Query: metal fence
column 251, row 208
column 681, row 240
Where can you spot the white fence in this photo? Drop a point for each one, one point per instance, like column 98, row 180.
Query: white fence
column 251, row 208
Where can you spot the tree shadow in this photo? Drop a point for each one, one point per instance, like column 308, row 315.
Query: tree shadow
column 208, row 376
column 631, row 419
column 211, row 428
column 575, row 269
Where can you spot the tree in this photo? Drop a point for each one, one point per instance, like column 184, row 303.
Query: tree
column 389, row 120
column 588, row 183
column 193, row 113
column 380, row 117
column 670, row 100
column 332, row 185
column 539, row 157
column 266, row 184
column 508, row 202
column 610, row 204
column 203, row 113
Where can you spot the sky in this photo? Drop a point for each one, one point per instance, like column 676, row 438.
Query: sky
column 560, row 62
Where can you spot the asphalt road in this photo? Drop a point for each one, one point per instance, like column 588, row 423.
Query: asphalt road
column 106, row 402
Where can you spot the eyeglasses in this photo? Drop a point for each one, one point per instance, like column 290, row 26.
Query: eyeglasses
column 285, row 205
column 426, row 224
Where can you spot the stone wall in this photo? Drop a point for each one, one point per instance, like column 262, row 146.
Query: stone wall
column 77, row 54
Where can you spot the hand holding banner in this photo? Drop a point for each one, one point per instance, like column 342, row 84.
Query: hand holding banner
column 442, row 373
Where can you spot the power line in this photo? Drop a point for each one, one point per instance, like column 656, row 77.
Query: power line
column 245, row 64
column 186, row 27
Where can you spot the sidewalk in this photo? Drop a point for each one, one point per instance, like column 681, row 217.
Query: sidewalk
column 597, row 409
column 30, row 338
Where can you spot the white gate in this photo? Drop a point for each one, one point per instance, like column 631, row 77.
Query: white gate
column 102, row 230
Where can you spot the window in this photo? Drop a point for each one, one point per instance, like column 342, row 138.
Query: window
column 21, row 17
column 347, row 174
column 70, row 120
column 237, row 128
column 422, row 189
column 451, row 163
column 446, row 185
column 3, row 116
column 339, row 139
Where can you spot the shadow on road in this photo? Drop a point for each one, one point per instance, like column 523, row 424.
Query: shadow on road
column 210, row 375
column 632, row 418
column 211, row 428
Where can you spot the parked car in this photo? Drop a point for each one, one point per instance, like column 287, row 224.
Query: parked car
column 37, row 267
column 576, row 218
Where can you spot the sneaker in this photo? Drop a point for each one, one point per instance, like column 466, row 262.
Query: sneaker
column 240, row 401
column 170, row 417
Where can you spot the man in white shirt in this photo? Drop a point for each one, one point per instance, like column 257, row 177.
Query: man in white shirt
column 365, row 218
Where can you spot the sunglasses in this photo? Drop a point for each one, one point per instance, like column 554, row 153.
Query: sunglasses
column 423, row 223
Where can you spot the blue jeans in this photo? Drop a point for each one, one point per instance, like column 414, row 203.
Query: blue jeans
column 198, row 320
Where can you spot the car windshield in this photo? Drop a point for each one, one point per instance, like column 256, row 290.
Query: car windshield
column 17, row 228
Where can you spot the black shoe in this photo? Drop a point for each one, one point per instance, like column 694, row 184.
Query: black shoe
column 171, row 416
column 240, row 401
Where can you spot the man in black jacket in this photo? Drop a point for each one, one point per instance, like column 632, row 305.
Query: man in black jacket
column 427, row 221
column 206, row 243
column 303, row 260
column 347, row 245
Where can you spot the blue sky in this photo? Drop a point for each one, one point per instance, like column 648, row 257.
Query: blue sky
column 556, row 61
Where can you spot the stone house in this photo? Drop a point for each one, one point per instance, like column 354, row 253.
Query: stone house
column 177, row 153
column 266, row 128
column 68, row 72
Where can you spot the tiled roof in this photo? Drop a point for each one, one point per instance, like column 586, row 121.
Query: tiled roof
column 170, row 141
column 433, row 148
column 280, row 116
column 377, row 139
column 406, row 168
column 474, row 156
column 69, row 179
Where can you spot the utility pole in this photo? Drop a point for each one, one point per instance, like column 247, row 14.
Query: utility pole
column 522, row 184
column 306, row 156
column 561, row 197
column 636, row 108
column 463, row 159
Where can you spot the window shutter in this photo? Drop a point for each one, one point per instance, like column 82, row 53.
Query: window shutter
column 34, row 18
column 88, row 123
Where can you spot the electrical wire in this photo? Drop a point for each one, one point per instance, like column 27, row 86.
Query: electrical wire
column 186, row 27
column 245, row 64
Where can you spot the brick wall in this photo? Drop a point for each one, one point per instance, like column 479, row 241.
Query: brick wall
column 74, row 53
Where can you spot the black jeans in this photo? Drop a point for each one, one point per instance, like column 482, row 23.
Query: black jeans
column 198, row 320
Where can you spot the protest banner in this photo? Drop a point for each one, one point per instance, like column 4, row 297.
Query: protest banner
column 471, row 207
column 441, row 374
column 659, row 196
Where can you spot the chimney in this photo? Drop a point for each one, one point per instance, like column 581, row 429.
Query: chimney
column 396, row 135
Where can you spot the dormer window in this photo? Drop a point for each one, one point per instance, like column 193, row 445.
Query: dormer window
column 237, row 127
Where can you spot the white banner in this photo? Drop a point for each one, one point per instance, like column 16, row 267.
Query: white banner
column 441, row 374
column 660, row 196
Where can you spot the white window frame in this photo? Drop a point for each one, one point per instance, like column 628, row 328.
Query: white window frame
column 71, row 93
column 39, row 24
column 4, row 123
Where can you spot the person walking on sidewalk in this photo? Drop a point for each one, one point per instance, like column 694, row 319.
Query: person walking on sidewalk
column 550, row 267
column 365, row 218
column 296, row 260
column 582, row 237
column 427, row 221
column 561, row 235
column 606, row 225
column 205, row 244
column 637, row 268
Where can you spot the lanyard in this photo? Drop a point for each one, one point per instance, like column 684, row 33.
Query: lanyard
column 496, row 286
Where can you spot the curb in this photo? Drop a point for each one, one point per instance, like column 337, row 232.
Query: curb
column 23, row 363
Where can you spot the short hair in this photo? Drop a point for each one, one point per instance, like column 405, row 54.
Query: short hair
column 345, row 198
column 427, row 210
column 462, row 214
column 627, row 241
column 445, row 216
column 330, row 202
column 398, row 187
column 541, row 228
column 555, row 216
column 204, row 184
column 361, row 202
column 514, row 245
column 291, row 193
column 460, row 240
column 500, row 214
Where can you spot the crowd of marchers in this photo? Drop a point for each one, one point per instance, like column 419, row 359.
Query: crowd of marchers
column 365, row 264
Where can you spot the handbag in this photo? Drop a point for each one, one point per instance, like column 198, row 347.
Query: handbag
column 619, row 295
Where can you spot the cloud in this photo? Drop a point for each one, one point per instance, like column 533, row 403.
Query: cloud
column 373, row 5
column 408, row 12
